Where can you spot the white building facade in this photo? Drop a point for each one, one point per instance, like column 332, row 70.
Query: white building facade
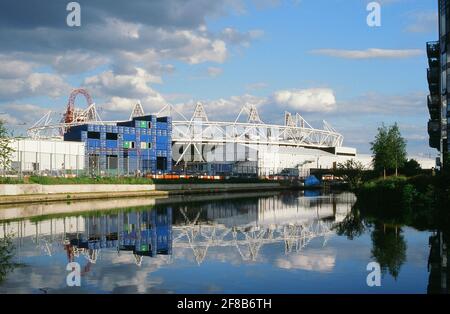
column 51, row 157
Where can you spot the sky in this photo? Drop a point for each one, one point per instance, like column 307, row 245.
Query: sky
column 318, row 58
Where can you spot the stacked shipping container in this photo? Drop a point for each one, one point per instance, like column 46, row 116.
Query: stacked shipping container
column 142, row 145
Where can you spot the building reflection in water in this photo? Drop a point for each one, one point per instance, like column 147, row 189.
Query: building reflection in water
column 439, row 279
column 244, row 224
column 143, row 232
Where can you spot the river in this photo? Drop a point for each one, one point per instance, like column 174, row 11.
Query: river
column 271, row 242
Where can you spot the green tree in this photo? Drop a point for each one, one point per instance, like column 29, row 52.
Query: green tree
column 5, row 148
column 389, row 149
column 352, row 172
column 411, row 168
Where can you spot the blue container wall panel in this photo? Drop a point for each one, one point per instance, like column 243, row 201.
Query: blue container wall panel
column 129, row 137
column 161, row 125
column 93, row 143
column 111, row 144
column 162, row 139
column 161, row 146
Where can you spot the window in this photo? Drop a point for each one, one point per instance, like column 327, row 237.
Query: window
column 161, row 163
column 128, row 144
column 111, row 136
column 93, row 135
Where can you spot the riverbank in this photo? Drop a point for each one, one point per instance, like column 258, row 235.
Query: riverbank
column 40, row 211
column 420, row 201
column 36, row 193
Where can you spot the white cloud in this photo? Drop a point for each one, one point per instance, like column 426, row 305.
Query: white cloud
column 73, row 62
column 120, row 104
column 35, row 84
column 309, row 100
column 214, row 71
column 236, row 37
column 121, row 85
column 123, row 29
column 369, row 53
column 21, row 115
column 223, row 109
column 151, row 103
column 198, row 50
column 11, row 68
column 310, row 261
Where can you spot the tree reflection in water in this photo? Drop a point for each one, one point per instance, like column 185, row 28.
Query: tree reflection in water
column 388, row 248
column 388, row 244
column 352, row 226
column 6, row 256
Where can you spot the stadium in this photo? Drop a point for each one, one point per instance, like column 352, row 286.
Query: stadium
column 166, row 142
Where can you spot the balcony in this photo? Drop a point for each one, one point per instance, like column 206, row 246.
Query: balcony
column 433, row 49
column 434, row 107
column 434, row 127
column 433, row 101
column 434, row 113
column 434, row 142
column 433, row 62
column 433, row 75
column 434, row 88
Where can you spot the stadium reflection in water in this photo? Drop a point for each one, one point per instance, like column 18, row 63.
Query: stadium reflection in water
column 269, row 242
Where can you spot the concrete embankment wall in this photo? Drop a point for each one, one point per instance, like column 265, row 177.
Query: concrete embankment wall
column 25, row 193
column 30, row 210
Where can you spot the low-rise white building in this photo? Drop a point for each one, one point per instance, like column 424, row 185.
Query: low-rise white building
column 275, row 160
column 49, row 156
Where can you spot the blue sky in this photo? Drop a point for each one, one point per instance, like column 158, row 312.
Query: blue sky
column 315, row 57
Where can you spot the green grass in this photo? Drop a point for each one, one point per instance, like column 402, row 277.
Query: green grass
column 121, row 180
column 88, row 180
column 8, row 180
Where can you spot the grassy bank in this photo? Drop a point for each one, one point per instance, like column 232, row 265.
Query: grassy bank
column 121, row 180
column 75, row 180
column 420, row 201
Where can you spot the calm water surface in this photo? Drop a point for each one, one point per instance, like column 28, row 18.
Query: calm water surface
column 238, row 243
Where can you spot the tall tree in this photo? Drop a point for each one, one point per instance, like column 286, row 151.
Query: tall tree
column 5, row 148
column 352, row 172
column 389, row 149
column 397, row 147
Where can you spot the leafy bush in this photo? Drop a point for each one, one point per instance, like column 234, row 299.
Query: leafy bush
column 8, row 180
